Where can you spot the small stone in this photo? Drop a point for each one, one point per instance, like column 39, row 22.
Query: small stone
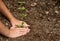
column 47, row 12
column 33, row 4
column 56, row 12
column 48, row 18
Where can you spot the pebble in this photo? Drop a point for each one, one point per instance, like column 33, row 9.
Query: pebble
column 47, row 12
column 49, row 18
column 56, row 12
column 33, row 4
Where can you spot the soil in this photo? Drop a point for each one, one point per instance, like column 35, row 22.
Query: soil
column 43, row 18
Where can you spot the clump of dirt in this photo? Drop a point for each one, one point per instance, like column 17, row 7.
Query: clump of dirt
column 43, row 16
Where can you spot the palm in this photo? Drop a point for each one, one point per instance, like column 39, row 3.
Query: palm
column 16, row 32
column 18, row 22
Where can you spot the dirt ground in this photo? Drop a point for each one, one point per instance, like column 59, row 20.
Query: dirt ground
column 43, row 16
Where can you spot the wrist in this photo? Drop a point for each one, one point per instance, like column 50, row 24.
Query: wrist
column 12, row 19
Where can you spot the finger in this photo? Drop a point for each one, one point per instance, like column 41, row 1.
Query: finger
column 13, row 27
column 24, row 32
column 28, row 25
column 25, row 27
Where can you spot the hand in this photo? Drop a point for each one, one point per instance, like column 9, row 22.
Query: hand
column 16, row 32
column 18, row 22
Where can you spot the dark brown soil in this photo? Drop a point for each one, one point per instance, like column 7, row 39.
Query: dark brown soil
column 43, row 16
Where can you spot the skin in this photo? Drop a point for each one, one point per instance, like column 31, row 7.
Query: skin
column 14, row 31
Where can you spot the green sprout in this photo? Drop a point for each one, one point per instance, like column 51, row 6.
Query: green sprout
column 21, row 3
column 20, row 25
column 23, row 16
column 21, row 8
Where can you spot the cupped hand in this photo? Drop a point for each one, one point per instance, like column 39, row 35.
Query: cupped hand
column 16, row 32
column 18, row 22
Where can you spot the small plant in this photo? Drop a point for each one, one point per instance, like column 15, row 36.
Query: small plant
column 21, row 8
column 21, row 3
column 23, row 16
column 20, row 25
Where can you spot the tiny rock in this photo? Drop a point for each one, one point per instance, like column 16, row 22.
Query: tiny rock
column 56, row 12
column 33, row 4
column 48, row 18
column 47, row 12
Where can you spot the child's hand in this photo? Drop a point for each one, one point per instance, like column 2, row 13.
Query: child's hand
column 18, row 22
column 16, row 32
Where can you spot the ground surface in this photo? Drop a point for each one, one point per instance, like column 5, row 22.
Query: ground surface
column 43, row 16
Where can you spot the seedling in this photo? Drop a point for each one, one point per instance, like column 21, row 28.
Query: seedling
column 20, row 25
column 21, row 3
column 21, row 8
column 23, row 16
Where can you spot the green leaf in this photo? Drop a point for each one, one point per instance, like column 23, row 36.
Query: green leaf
column 20, row 25
column 21, row 8
column 21, row 2
column 23, row 15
